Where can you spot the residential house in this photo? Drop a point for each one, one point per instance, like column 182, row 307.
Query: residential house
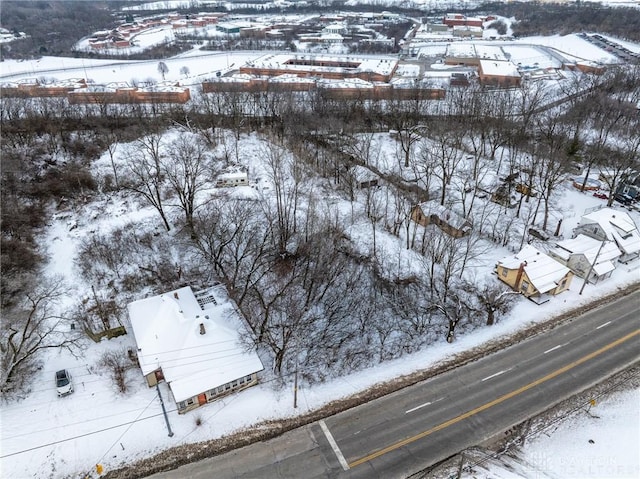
column 585, row 255
column 612, row 225
column 447, row 220
column 534, row 274
column 234, row 176
column 363, row 177
column 192, row 341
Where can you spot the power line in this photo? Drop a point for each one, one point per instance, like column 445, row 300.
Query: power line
column 114, row 427
column 125, row 431
column 80, row 435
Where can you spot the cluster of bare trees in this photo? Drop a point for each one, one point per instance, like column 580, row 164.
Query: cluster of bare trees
column 313, row 297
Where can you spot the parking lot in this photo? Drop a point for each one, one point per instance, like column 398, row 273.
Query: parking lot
column 612, row 47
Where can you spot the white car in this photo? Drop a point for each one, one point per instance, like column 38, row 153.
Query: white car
column 64, row 386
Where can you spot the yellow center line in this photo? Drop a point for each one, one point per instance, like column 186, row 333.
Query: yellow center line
column 499, row 400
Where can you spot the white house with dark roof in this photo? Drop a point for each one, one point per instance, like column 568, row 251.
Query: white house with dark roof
column 192, row 341
column 534, row 274
column 612, row 225
column 583, row 254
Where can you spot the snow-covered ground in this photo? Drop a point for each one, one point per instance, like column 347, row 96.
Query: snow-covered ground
column 201, row 65
column 597, row 442
column 46, row 436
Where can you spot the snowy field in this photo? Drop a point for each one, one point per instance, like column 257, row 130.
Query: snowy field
column 201, row 65
column 45, row 436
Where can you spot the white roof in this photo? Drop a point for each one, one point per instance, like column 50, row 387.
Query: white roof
column 604, row 268
column 499, row 68
column 544, row 272
column 587, row 246
column 618, row 226
column 233, row 175
column 167, row 332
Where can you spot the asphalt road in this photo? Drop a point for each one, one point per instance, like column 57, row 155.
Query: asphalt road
column 416, row 427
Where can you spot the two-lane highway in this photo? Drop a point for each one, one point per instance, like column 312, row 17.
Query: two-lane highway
column 418, row 426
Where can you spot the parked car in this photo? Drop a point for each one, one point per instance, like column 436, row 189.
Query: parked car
column 623, row 199
column 601, row 195
column 64, row 386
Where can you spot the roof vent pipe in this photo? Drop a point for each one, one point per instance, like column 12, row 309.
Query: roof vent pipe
column 202, row 331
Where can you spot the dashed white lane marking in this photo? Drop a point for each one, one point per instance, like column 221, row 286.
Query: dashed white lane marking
column 417, row 407
column 496, row 374
column 422, row 405
column 334, row 445
column 553, row 348
column 603, row 325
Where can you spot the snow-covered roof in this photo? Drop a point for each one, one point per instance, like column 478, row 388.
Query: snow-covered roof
column 499, row 68
column 461, row 50
column 618, row 226
column 544, row 272
column 326, row 63
column 445, row 214
column 587, row 246
column 233, row 175
column 167, row 331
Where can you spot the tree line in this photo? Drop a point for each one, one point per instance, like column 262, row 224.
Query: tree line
column 288, row 259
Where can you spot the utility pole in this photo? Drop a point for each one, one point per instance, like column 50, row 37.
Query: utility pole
column 460, row 466
column 164, row 411
column 595, row 260
column 295, row 387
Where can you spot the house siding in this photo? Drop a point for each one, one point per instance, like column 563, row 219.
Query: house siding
column 524, row 284
column 216, row 393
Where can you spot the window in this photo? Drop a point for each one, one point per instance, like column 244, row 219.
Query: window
column 190, row 401
column 182, row 405
column 227, row 387
column 249, row 377
column 524, row 286
column 241, row 380
column 505, row 272
column 235, row 383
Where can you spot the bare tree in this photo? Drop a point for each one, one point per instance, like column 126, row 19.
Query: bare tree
column 29, row 329
column 187, row 170
column 286, row 174
column 163, row 69
column 145, row 167
column 552, row 165
column 491, row 298
column 443, row 155
column 117, row 364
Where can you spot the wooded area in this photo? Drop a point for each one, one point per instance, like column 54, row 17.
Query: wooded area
column 313, row 298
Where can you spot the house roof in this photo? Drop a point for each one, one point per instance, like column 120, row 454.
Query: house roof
column 445, row 214
column 587, row 246
column 544, row 272
column 618, row 226
column 167, row 331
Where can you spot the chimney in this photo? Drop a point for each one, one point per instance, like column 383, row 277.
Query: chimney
column 202, row 331
column 175, row 295
column 516, row 285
